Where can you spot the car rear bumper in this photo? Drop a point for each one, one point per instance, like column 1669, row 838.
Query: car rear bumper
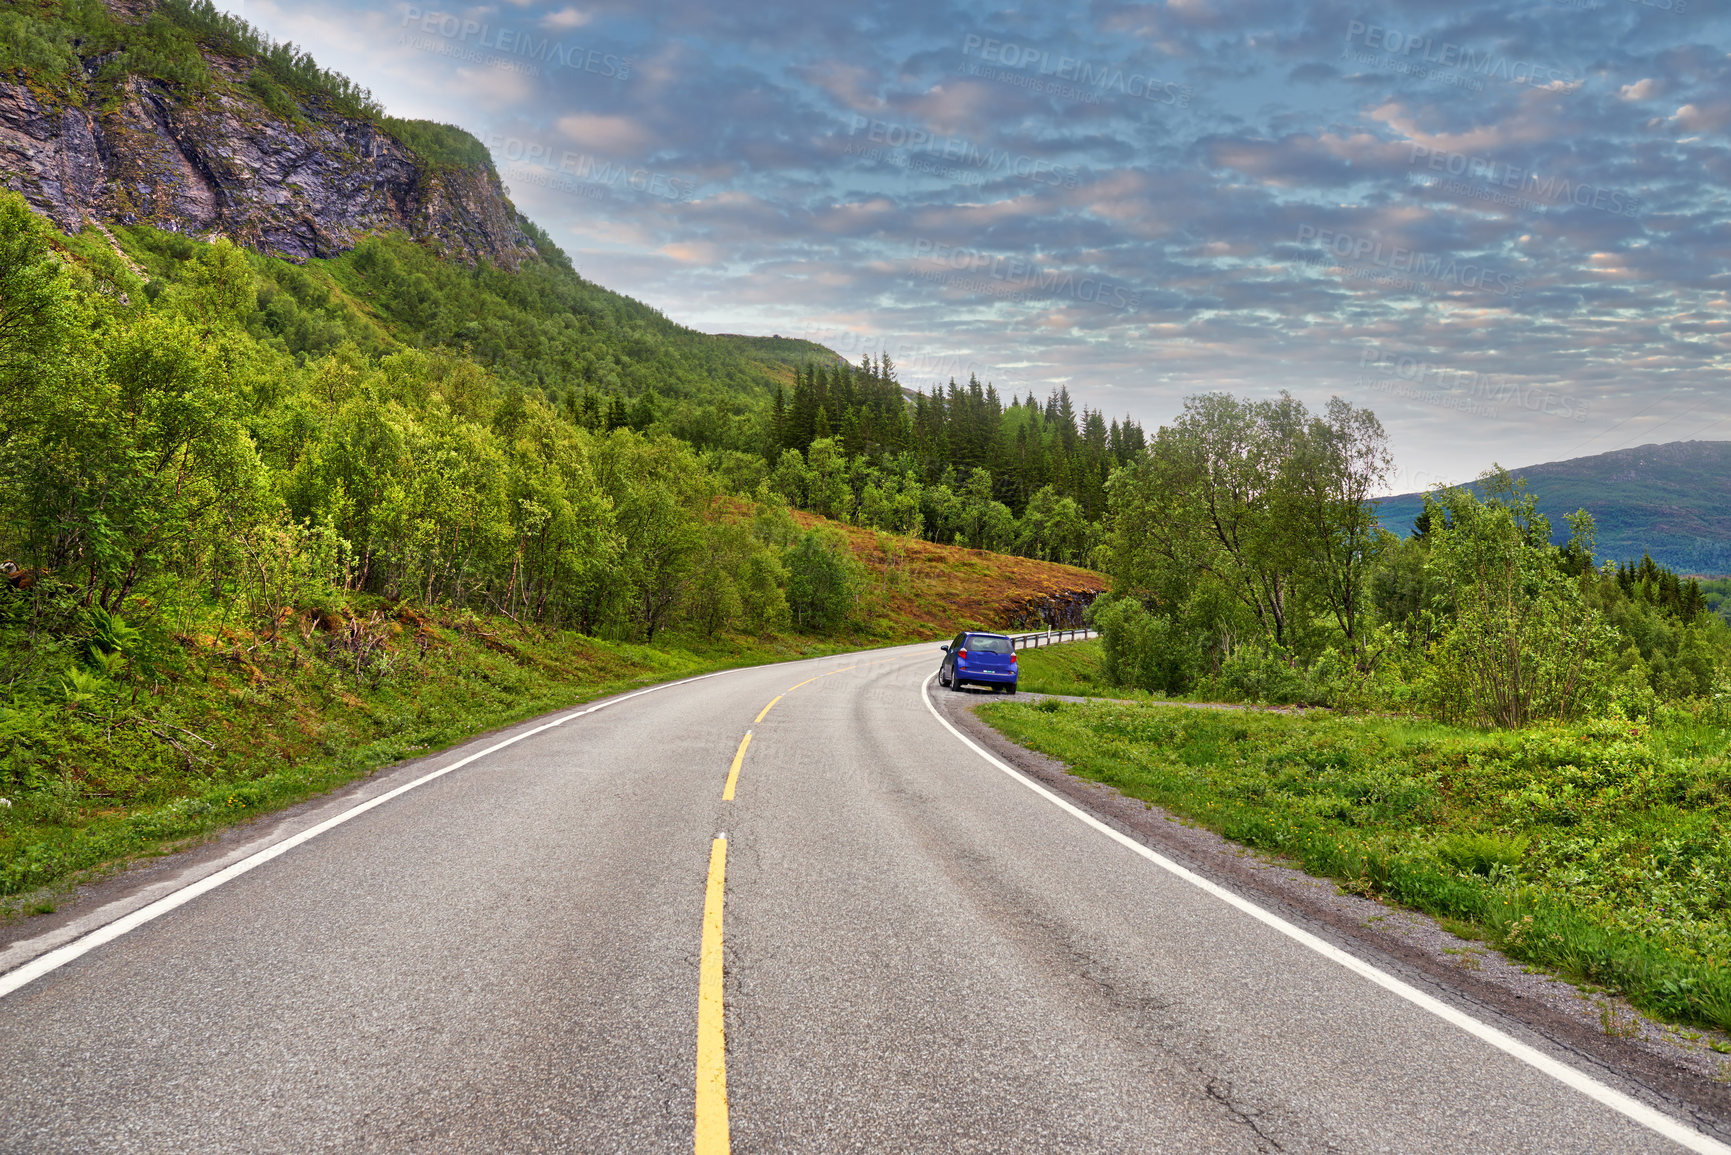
column 994, row 677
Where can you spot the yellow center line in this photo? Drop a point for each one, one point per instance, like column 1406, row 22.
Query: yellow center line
column 711, row 1135
column 809, row 681
column 712, row 1131
column 733, row 774
column 739, row 756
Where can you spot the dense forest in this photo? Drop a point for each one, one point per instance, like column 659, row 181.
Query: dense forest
column 849, row 441
column 957, row 465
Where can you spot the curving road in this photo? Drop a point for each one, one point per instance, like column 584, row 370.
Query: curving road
column 917, row 952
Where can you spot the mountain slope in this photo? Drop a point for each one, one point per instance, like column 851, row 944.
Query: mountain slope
column 160, row 123
column 177, row 116
column 1672, row 501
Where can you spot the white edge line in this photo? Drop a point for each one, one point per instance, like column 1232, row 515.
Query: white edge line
column 52, row 960
column 1640, row 1112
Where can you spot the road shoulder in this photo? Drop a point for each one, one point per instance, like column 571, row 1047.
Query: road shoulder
column 1660, row 1065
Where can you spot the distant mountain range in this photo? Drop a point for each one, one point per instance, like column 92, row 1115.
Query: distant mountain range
column 1671, row 501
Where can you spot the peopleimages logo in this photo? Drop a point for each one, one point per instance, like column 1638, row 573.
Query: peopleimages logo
column 580, row 173
column 1413, row 52
column 512, row 42
column 1087, row 76
column 1524, row 181
column 1367, row 251
column 959, row 153
column 1476, row 394
column 980, row 271
column 911, row 364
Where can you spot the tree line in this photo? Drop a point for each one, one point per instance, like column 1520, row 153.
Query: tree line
column 956, row 465
column 1249, row 562
column 850, row 441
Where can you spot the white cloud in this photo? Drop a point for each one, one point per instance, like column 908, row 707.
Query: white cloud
column 567, row 18
column 613, row 135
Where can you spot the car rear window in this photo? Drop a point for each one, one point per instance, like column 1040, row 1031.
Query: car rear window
column 989, row 645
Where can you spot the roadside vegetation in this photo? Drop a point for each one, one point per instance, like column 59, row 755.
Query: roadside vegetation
column 1597, row 849
column 1519, row 737
column 206, row 731
column 1072, row 669
column 234, row 575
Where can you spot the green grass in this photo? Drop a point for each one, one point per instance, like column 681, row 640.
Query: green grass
column 1071, row 668
column 1067, row 668
column 1596, row 850
column 219, row 730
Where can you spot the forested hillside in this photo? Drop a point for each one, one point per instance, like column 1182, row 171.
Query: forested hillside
column 459, row 272
column 1671, row 501
column 956, row 466
column 540, row 328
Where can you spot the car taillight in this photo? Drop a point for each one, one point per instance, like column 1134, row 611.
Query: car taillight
column 961, row 655
column 1012, row 659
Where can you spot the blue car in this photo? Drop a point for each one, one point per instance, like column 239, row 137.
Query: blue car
column 983, row 659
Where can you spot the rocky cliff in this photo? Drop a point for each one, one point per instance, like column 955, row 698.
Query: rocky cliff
column 310, row 184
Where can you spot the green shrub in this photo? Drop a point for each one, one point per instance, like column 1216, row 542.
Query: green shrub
column 35, row 49
column 1139, row 650
column 273, row 95
column 445, row 145
column 823, row 581
column 1525, row 644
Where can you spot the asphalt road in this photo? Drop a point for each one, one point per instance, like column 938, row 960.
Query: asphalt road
column 921, row 954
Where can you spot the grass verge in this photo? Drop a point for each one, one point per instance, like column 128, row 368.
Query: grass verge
column 1071, row 668
column 1597, row 850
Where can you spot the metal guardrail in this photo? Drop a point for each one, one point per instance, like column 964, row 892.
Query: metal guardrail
column 1049, row 638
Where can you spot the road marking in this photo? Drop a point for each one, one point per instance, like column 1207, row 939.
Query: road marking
column 711, row 1135
column 761, row 713
column 1634, row 1109
column 53, row 960
column 818, row 677
column 738, row 758
column 60, row 956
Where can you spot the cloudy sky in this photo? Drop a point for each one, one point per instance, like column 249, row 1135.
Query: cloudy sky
column 1505, row 227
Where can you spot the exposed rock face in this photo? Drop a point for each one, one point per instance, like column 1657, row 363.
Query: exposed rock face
column 227, row 164
column 1055, row 609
